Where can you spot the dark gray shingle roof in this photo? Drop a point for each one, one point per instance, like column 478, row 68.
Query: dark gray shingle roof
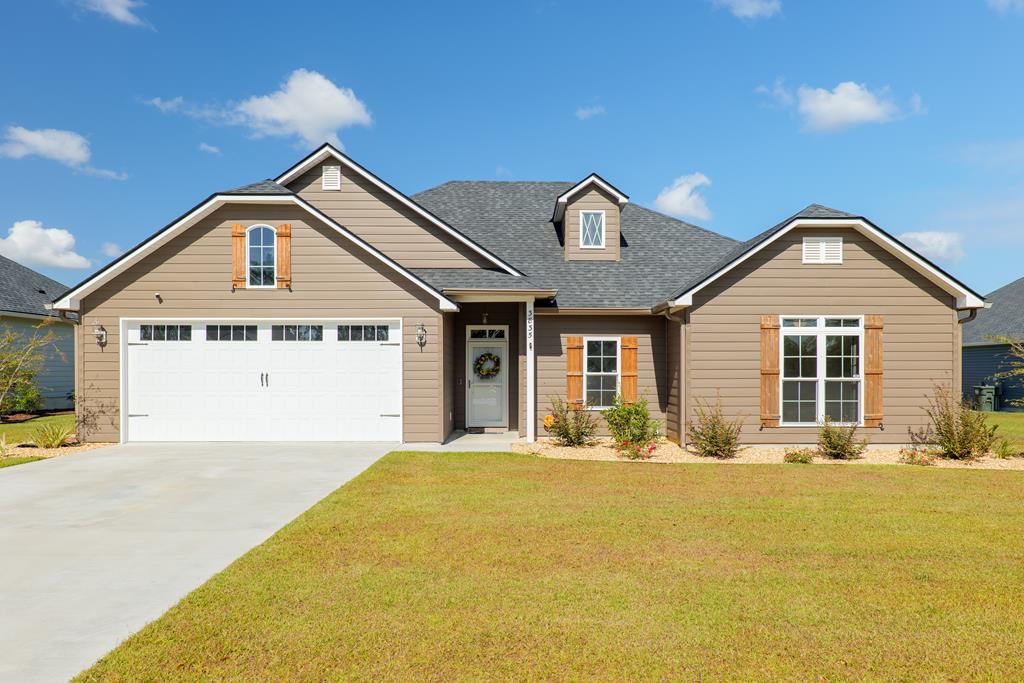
column 1004, row 319
column 472, row 278
column 513, row 220
column 20, row 289
column 262, row 187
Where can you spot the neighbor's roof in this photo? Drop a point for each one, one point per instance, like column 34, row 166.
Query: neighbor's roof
column 23, row 290
column 513, row 219
column 1004, row 319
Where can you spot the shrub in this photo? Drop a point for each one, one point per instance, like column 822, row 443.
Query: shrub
column 634, row 432
column 839, row 442
column 26, row 399
column 712, row 434
column 574, row 427
column 52, row 435
column 1004, row 449
column 916, row 455
column 956, row 431
column 802, row 456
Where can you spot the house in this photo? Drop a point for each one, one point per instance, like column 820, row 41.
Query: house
column 25, row 296
column 326, row 305
column 986, row 352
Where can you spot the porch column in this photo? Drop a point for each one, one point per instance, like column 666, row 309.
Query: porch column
column 531, row 373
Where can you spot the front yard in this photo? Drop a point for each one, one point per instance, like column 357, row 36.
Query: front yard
column 483, row 566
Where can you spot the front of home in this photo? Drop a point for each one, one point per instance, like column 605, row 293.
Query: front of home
column 326, row 305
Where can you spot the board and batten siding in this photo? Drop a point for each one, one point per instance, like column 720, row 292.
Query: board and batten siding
column 56, row 378
column 331, row 278
column 921, row 336
column 551, row 332
column 385, row 222
column 591, row 199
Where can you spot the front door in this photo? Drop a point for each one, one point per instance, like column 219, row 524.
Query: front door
column 486, row 382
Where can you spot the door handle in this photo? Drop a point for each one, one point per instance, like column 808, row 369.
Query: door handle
column 268, row 379
column 261, row 379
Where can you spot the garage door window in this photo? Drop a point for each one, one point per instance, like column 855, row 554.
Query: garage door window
column 301, row 333
column 231, row 333
column 165, row 332
column 362, row 333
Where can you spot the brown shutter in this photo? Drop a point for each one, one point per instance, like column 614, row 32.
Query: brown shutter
column 574, row 372
column 769, row 371
column 873, row 371
column 627, row 351
column 284, row 256
column 238, row 278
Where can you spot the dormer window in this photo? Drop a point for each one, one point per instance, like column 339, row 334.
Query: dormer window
column 331, row 178
column 592, row 229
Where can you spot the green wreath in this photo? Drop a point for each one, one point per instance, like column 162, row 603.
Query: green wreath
column 487, row 365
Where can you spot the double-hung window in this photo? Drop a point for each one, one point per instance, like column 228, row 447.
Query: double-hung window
column 822, row 357
column 592, row 229
column 600, row 372
column 262, row 250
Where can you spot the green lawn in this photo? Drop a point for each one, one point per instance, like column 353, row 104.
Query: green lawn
column 1011, row 427
column 496, row 566
column 21, row 432
column 11, row 462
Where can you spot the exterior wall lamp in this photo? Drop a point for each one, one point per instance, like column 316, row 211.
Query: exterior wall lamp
column 421, row 335
column 100, row 333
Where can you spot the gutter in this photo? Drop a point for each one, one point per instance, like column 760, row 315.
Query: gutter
column 972, row 313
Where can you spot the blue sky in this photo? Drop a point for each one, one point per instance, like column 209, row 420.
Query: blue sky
column 117, row 116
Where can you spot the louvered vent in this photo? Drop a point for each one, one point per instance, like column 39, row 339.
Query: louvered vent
column 823, row 250
column 332, row 178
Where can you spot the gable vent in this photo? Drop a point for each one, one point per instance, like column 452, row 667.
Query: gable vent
column 332, row 178
column 823, row 250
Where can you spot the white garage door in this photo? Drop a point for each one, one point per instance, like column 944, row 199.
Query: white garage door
column 263, row 381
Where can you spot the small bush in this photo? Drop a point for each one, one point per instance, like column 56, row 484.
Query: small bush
column 839, row 442
column 802, row 456
column 956, row 431
column 573, row 427
column 634, row 432
column 26, row 399
column 712, row 434
column 1004, row 449
column 916, row 455
column 52, row 435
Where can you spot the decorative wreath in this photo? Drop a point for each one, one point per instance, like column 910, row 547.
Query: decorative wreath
column 487, row 365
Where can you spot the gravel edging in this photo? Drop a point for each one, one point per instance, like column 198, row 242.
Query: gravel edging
column 28, row 451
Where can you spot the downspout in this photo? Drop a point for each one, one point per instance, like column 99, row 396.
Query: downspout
column 972, row 313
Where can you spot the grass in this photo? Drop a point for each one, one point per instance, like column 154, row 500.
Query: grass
column 498, row 566
column 1011, row 427
column 21, row 432
column 11, row 462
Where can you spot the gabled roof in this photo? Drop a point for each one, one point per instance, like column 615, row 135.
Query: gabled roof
column 24, row 291
column 262, row 187
column 1004, row 319
column 593, row 179
column 327, row 150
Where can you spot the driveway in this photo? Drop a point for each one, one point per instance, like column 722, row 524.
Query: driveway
column 94, row 546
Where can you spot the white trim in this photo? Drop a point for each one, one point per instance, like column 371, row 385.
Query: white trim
column 499, row 297
column 72, row 300
column 469, row 370
column 965, row 298
column 122, row 382
column 618, row 368
column 604, row 227
column 326, row 151
column 563, row 199
column 248, row 270
column 531, row 370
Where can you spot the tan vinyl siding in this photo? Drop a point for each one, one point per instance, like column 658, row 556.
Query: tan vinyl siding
column 385, row 222
column 592, row 199
column 331, row 279
column 497, row 314
column 652, row 352
column 723, row 336
column 448, row 375
column 674, row 378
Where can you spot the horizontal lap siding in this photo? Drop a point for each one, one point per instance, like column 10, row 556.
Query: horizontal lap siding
column 331, row 278
column 921, row 335
column 674, row 365
column 592, row 200
column 982, row 364
column 552, row 331
column 56, row 378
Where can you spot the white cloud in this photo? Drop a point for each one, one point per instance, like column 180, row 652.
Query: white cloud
column 63, row 146
column 122, row 11
column 209, row 149
column 111, row 250
column 584, row 113
column 166, row 106
column 681, row 197
column 848, row 104
column 29, row 243
column 935, row 244
column 751, row 9
column 778, row 92
column 1007, row 5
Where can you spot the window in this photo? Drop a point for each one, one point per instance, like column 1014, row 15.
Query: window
column 592, row 229
column 491, row 333
column 823, row 250
column 306, row 333
column 261, row 247
column 821, row 369
column 362, row 332
column 231, row 333
column 165, row 333
column 600, row 372
column 331, row 178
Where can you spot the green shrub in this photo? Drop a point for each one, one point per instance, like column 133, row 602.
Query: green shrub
column 802, row 456
column 1004, row 449
column 956, row 431
column 574, row 427
column 52, row 435
column 712, row 434
column 839, row 442
column 26, row 399
column 916, row 455
column 630, row 424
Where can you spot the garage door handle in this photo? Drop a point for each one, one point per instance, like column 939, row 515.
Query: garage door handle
column 138, row 414
column 390, row 344
column 137, row 344
column 390, row 415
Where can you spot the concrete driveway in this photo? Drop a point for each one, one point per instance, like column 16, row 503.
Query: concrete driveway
column 94, row 546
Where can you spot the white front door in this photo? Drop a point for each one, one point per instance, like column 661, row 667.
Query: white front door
column 486, row 391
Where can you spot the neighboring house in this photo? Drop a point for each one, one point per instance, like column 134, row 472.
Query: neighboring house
column 985, row 355
column 327, row 305
column 25, row 296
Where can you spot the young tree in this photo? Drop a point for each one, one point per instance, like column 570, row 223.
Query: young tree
column 21, row 357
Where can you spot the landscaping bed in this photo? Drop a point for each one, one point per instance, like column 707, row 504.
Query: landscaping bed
column 19, row 434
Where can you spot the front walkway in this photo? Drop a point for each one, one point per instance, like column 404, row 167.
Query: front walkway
column 96, row 545
column 460, row 441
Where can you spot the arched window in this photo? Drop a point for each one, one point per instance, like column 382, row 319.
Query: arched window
column 261, row 243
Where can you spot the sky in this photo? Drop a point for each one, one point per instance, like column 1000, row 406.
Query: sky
column 116, row 116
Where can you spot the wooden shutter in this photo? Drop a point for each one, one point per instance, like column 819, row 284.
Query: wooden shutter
column 873, row 362
column 574, row 371
column 627, row 353
column 238, row 269
column 769, row 371
column 284, row 256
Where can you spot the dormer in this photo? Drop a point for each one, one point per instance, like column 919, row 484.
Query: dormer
column 587, row 218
